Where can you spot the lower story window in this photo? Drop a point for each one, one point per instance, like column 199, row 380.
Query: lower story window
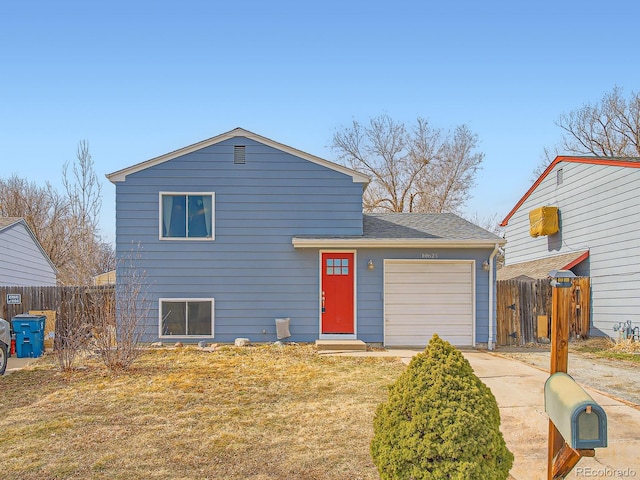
column 186, row 317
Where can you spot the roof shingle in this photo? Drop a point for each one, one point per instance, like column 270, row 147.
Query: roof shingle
column 539, row 269
column 445, row 226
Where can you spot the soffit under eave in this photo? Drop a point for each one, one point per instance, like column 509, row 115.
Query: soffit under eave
column 393, row 243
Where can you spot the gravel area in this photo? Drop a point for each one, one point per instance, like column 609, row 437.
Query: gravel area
column 617, row 378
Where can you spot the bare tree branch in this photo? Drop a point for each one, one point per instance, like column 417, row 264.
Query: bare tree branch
column 412, row 169
column 84, row 197
column 66, row 225
column 608, row 128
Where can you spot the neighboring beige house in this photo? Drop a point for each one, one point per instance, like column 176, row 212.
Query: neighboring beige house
column 107, row 278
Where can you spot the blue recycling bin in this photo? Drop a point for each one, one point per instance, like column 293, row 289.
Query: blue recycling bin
column 29, row 332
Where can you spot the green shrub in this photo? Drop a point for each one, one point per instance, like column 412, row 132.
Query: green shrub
column 440, row 422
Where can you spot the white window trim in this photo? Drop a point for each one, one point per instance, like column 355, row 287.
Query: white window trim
column 213, row 316
column 188, row 239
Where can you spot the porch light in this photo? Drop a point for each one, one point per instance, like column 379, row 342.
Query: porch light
column 370, row 265
column 485, row 266
column 561, row 278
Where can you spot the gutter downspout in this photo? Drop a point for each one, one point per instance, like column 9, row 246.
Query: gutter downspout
column 491, row 293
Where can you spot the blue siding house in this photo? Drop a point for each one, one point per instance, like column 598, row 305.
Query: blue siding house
column 239, row 230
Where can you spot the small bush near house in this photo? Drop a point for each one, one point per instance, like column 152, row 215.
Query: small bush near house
column 439, row 422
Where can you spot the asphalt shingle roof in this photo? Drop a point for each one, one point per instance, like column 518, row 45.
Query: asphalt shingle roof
column 538, row 269
column 445, row 226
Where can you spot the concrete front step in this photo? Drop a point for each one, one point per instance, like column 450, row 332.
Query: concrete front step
column 341, row 345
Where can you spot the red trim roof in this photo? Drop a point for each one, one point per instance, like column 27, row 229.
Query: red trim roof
column 581, row 258
column 611, row 161
column 539, row 269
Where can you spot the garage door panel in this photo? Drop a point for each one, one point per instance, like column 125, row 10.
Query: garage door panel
column 443, row 299
column 418, row 309
column 426, row 297
column 417, row 323
column 440, row 268
column 433, row 278
column 427, row 288
column 422, row 339
column 444, row 320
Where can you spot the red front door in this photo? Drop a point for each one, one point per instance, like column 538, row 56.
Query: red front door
column 337, row 292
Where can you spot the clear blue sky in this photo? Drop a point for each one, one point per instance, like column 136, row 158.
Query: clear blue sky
column 138, row 79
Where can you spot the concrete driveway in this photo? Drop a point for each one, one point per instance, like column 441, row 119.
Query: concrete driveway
column 14, row 363
column 519, row 391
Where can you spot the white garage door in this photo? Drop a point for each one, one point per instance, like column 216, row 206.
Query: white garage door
column 423, row 297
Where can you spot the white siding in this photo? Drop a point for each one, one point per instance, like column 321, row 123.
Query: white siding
column 599, row 211
column 22, row 263
column 424, row 297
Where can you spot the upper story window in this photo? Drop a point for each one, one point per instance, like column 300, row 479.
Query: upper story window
column 187, row 215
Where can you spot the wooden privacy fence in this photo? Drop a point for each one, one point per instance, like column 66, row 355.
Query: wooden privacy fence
column 72, row 305
column 524, row 310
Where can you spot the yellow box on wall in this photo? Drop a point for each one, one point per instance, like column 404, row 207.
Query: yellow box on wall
column 543, row 221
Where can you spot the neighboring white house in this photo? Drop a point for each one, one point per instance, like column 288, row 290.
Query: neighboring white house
column 23, row 261
column 596, row 205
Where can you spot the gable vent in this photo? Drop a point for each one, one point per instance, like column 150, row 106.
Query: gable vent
column 239, row 157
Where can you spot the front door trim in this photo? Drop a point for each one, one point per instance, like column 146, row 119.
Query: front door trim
column 339, row 336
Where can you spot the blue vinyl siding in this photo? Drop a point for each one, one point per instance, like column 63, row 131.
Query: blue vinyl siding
column 251, row 268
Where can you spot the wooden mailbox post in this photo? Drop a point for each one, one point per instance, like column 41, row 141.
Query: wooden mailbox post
column 562, row 457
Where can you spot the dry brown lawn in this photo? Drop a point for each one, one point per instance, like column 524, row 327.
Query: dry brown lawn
column 627, row 350
column 260, row 412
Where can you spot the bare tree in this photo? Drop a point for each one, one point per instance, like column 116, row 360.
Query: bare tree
column 452, row 173
column 45, row 211
column 491, row 224
column 84, row 198
column 118, row 328
column 73, row 327
column 417, row 169
column 608, row 128
column 104, row 321
column 66, row 225
column 106, row 260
